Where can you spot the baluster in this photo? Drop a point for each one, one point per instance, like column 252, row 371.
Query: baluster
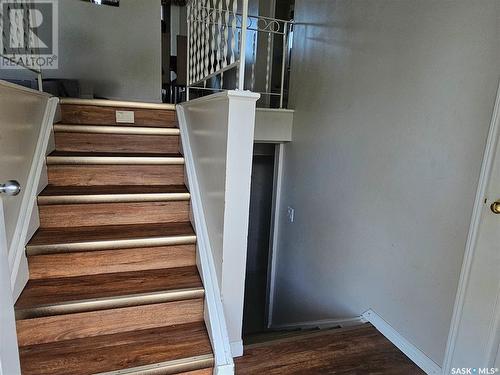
column 212, row 41
column 192, row 42
column 207, row 37
column 286, row 33
column 28, row 36
column 16, row 36
column 243, row 43
column 226, row 34
column 219, row 35
column 237, row 73
column 254, row 59
column 194, row 7
column 188, row 68
column 198, row 42
column 233, row 32
column 204, row 39
column 4, row 42
column 268, row 61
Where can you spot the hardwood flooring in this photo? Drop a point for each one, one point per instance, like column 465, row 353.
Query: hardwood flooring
column 106, row 353
column 360, row 350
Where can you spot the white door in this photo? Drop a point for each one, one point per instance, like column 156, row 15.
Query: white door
column 477, row 320
column 9, row 356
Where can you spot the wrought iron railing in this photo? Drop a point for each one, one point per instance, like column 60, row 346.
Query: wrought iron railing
column 229, row 49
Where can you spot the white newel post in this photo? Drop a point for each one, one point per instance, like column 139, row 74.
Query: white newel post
column 241, row 124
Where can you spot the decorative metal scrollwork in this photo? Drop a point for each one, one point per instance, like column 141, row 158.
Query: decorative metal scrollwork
column 216, row 36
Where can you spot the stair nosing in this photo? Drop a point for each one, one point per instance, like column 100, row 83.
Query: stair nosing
column 114, row 160
column 117, row 104
column 110, row 244
column 106, row 303
column 169, row 367
column 46, row 200
column 115, row 129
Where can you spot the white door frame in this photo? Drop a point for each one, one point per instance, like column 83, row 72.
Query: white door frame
column 9, row 354
column 274, row 230
column 480, row 204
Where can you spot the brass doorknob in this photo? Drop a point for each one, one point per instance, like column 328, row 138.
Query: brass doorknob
column 495, row 207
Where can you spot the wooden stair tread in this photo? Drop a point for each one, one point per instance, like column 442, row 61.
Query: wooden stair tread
column 110, row 154
column 117, row 351
column 53, row 190
column 48, row 236
column 62, row 290
column 131, row 104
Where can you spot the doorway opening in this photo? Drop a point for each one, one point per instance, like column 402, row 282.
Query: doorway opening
column 260, row 237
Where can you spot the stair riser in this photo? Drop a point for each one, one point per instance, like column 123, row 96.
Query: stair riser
column 101, row 262
column 71, row 215
column 95, row 115
column 96, row 323
column 91, row 142
column 88, row 175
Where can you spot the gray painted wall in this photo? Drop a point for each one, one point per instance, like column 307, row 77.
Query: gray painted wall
column 117, row 51
column 392, row 100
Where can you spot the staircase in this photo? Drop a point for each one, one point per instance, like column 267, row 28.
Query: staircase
column 114, row 287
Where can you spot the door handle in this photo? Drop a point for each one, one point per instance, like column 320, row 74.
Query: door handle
column 495, row 207
column 10, row 188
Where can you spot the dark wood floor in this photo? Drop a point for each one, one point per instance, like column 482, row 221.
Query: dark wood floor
column 360, row 350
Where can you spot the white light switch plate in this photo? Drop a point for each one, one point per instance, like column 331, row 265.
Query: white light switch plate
column 291, row 214
column 125, row 117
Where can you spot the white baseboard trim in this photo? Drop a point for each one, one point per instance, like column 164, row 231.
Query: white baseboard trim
column 223, row 370
column 237, row 348
column 17, row 256
column 410, row 350
column 214, row 311
column 322, row 324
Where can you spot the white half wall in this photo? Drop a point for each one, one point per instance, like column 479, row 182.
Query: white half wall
column 273, row 125
column 393, row 100
column 9, row 354
column 21, row 117
column 221, row 132
column 25, row 139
